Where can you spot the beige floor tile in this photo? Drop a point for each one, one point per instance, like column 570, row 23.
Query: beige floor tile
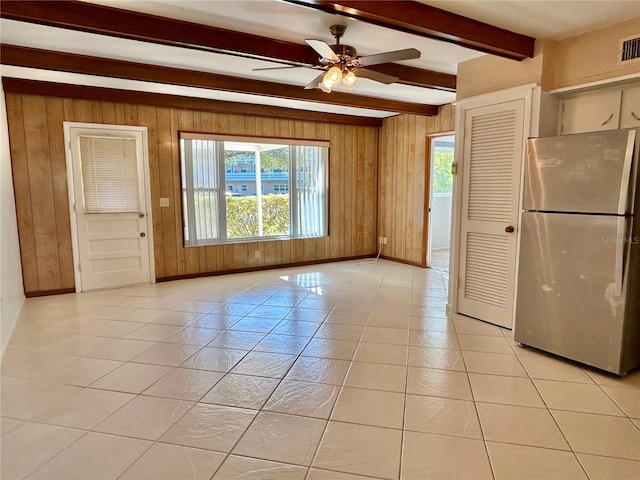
column 171, row 462
column 369, row 407
column 122, row 349
column 30, row 364
column 216, row 321
column 194, row 336
column 340, row 331
column 308, row 314
column 241, row 391
column 83, row 371
column 84, row 409
column 296, row 328
column 110, row 312
column 319, row 370
column 262, row 364
column 304, row 399
column 212, row 427
column 444, row 416
column 631, row 379
column 521, row 425
column 131, row 378
column 428, row 311
column 184, row 384
column 420, row 338
column 436, row 358
column 388, row 320
column 327, row 348
column 530, row 463
column 432, row 324
column 383, row 335
column 240, row 309
column 377, row 376
column 379, row 353
column 494, row 364
column 360, row 449
column 34, row 398
column 546, row 367
column 31, row 445
column 78, row 345
column 236, row 340
column 600, row 434
column 504, row 390
column 476, row 327
column 215, row 359
column 317, row 474
column 254, row 469
column 143, row 315
column 282, row 438
column 9, row 384
column 436, row 457
column 347, row 318
column 438, row 383
column 484, row 343
column 255, row 324
column 169, row 354
column 96, row 456
column 576, row 397
column 288, row 344
column 607, row 468
column 8, row 425
column 154, row 332
column 145, row 417
column 628, row 399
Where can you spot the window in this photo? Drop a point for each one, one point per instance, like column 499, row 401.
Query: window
column 442, row 160
column 294, row 203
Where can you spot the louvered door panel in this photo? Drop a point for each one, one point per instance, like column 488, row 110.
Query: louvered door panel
column 492, row 158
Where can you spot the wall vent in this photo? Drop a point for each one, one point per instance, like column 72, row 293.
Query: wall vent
column 630, row 49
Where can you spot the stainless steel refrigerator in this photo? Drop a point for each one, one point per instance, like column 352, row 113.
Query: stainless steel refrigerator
column 578, row 292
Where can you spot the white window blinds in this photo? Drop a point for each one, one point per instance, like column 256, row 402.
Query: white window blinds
column 109, row 174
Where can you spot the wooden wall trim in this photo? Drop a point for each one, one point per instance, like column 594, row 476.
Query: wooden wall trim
column 402, row 260
column 44, row 293
column 89, row 65
column 37, row 87
column 260, row 268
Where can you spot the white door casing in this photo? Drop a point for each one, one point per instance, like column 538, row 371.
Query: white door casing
column 490, row 199
column 110, row 205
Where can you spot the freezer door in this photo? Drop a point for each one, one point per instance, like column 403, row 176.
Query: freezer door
column 587, row 172
column 571, row 290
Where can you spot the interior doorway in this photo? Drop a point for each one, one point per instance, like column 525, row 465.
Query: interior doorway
column 441, row 150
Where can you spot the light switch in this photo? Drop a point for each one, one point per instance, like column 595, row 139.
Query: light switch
column 164, row 202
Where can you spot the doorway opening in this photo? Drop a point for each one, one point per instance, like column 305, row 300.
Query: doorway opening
column 440, row 201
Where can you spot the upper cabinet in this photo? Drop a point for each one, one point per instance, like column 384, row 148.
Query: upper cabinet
column 598, row 110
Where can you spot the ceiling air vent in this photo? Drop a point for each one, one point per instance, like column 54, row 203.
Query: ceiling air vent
column 630, row 49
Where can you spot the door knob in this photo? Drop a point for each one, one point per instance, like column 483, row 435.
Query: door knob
column 510, row 229
column 142, row 234
column 141, row 215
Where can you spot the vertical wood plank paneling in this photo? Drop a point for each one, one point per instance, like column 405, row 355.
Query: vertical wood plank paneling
column 44, row 215
column 22, row 190
column 39, row 166
column 55, row 118
column 401, row 187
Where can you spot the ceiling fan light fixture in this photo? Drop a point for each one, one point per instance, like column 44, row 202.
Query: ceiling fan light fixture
column 325, row 88
column 333, row 75
column 350, row 79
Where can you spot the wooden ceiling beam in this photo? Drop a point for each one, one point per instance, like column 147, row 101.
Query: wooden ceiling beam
column 69, row 62
column 427, row 21
column 121, row 23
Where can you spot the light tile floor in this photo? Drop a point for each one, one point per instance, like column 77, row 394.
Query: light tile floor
column 340, row 371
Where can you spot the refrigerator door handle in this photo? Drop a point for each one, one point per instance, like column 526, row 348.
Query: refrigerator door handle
column 626, row 174
column 620, row 247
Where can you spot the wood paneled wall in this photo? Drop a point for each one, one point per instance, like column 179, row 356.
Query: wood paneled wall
column 39, row 171
column 402, row 186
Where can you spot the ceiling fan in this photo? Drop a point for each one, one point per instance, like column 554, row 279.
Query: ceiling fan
column 341, row 62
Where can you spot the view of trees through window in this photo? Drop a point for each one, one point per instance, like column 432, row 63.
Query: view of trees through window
column 442, row 161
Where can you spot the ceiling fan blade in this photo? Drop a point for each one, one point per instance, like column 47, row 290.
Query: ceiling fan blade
column 376, row 76
column 323, row 49
column 315, row 83
column 385, row 57
column 278, row 68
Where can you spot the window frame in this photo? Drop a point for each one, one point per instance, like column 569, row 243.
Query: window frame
column 221, row 171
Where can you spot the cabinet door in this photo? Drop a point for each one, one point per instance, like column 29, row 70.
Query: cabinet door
column 630, row 111
column 591, row 112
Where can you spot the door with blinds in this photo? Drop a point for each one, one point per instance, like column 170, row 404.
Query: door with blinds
column 492, row 156
column 109, row 204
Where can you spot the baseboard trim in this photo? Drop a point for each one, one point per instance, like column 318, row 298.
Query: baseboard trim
column 44, row 293
column 400, row 260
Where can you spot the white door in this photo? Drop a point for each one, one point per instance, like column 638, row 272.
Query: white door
column 492, row 156
column 110, row 206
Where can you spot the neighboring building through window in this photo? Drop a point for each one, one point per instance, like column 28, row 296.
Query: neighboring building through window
column 275, row 188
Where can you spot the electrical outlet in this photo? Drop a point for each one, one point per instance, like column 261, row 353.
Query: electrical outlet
column 382, row 240
column 164, row 202
column 257, row 254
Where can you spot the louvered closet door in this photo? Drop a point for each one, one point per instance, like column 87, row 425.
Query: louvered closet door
column 492, row 159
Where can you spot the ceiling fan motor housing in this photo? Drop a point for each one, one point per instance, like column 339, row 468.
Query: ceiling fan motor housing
column 344, row 50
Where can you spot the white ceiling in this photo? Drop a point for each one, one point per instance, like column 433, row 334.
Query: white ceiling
column 284, row 21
